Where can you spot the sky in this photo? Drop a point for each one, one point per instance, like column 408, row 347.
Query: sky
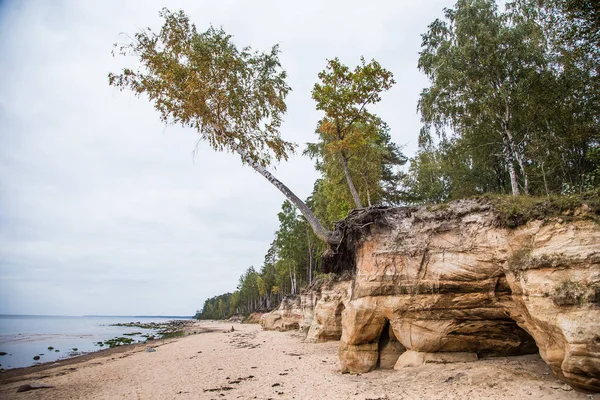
column 105, row 210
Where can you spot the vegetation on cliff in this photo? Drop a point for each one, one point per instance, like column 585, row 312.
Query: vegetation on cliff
column 516, row 211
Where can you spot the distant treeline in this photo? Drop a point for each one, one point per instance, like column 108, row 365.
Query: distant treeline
column 513, row 107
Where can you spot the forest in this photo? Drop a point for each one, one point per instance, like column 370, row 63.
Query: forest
column 512, row 108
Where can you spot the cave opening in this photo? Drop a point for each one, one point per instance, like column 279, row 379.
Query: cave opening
column 389, row 347
column 337, row 329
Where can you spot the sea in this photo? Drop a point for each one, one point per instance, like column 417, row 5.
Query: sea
column 51, row 338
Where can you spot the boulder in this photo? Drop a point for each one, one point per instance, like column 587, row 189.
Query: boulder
column 285, row 318
column 238, row 318
column 253, row 318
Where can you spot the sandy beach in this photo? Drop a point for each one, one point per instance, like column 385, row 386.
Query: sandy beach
column 250, row 363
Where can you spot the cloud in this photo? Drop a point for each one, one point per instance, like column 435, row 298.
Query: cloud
column 105, row 210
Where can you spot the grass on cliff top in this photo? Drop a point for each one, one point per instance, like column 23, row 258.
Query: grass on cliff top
column 514, row 211
column 326, row 280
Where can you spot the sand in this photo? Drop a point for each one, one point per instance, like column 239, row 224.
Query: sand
column 253, row 364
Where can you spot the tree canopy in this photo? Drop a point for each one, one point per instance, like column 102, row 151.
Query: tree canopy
column 344, row 96
column 234, row 98
column 203, row 81
column 374, row 163
column 512, row 105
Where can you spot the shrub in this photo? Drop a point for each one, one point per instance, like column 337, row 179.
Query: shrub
column 569, row 293
column 519, row 260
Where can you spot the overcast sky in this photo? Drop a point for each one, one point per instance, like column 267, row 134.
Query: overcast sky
column 104, row 210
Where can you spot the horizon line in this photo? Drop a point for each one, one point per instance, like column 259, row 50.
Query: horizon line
column 96, row 315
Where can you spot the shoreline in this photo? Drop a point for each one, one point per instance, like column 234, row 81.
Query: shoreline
column 80, row 339
column 252, row 363
column 14, row 374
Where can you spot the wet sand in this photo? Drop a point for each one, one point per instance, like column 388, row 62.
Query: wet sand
column 253, row 364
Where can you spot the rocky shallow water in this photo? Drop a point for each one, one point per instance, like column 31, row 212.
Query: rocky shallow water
column 29, row 340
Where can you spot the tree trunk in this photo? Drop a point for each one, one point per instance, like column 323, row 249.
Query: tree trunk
column 309, row 246
column 309, row 265
column 514, row 183
column 513, row 179
column 545, row 181
column 295, row 281
column 353, row 191
column 513, row 154
column 521, row 163
column 322, row 233
column 292, row 279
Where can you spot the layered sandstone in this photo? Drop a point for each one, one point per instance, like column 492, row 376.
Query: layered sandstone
column 324, row 318
column 317, row 312
column 285, row 318
column 452, row 284
column 254, row 318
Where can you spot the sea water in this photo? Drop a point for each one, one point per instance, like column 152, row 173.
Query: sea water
column 23, row 337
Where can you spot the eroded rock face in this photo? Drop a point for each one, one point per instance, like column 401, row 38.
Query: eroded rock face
column 326, row 315
column 287, row 317
column 254, row 318
column 316, row 312
column 308, row 302
column 453, row 283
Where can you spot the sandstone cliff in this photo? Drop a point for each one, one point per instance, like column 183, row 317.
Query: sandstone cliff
column 453, row 283
column 324, row 321
column 317, row 312
column 287, row 317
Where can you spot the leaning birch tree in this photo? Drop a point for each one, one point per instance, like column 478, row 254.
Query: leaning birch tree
column 234, row 98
